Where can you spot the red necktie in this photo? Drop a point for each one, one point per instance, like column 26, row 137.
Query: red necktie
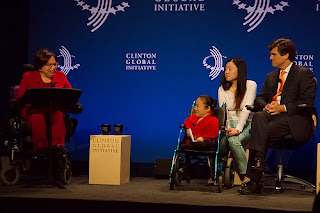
column 281, row 86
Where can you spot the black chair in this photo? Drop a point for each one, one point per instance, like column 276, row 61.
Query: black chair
column 221, row 169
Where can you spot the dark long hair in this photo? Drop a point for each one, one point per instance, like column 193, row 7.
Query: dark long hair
column 241, row 81
column 42, row 57
column 209, row 101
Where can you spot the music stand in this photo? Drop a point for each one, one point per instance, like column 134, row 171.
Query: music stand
column 54, row 98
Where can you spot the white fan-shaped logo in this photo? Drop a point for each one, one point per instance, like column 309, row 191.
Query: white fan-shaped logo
column 218, row 62
column 66, row 61
column 100, row 13
column 258, row 11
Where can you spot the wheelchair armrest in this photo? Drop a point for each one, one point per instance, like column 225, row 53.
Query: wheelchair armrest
column 71, row 125
column 305, row 106
column 250, row 107
column 306, row 109
column 14, row 105
column 77, row 108
column 301, row 106
column 309, row 110
column 182, row 126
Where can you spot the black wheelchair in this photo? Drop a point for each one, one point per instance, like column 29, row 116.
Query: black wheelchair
column 17, row 156
column 220, row 164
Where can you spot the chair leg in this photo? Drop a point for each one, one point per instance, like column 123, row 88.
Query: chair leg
column 280, row 177
column 300, row 181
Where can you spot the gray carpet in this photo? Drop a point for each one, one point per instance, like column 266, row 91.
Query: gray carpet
column 145, row 192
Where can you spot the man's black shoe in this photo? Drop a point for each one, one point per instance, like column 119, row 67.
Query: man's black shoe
column 251, row 187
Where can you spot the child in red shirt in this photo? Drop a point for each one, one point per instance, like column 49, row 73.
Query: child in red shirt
column 203, row 125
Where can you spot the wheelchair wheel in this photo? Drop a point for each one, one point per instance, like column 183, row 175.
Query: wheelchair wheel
column 229, row 173
column 171, row 184
column 66, row 173
column 174, row 177
column 9, row 174
column 179, row 175
column 62, row 171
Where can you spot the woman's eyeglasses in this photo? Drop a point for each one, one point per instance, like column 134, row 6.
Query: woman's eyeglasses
column 52, row 65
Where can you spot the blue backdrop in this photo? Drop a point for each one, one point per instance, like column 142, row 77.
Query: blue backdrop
column 141, row 63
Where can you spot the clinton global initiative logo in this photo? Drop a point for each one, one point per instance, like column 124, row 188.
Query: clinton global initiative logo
column 305, row 61
column 214, row 62
column 66, row 67
column 100, row 13
column 178, row 5
column 141, row 61
column 258, row 11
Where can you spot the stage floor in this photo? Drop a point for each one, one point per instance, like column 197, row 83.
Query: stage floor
column 143, row 192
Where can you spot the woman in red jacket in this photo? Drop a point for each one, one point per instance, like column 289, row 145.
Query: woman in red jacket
column 203, row 125
column 45, row 76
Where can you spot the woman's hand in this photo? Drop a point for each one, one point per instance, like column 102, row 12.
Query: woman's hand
column 199, row 139
column 233, row 132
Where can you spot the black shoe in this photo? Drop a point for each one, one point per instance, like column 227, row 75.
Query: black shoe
column 188, row 178
column 58, row 149
column 42, row 150
column 40, row 153
column 58, row 152
column 250, row 187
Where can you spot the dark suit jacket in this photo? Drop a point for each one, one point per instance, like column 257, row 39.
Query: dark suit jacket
column 300, row 88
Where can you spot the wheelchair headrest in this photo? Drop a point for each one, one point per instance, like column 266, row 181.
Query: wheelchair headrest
column 192, row 110
column 27, row 67
column 221, row 114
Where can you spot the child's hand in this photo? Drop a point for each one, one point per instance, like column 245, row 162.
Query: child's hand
column 199, row 139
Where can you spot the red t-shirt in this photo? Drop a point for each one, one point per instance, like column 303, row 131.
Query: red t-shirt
column 207, row 128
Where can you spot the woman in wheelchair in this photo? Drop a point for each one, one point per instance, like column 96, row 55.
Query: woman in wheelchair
column 203, row 125
column 44, row 76
column 202, row 129
column 237, row 92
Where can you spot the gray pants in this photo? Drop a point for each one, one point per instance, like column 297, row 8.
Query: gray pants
column 236, row 144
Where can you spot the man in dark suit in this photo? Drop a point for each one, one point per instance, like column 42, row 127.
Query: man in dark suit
column 277, row 116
